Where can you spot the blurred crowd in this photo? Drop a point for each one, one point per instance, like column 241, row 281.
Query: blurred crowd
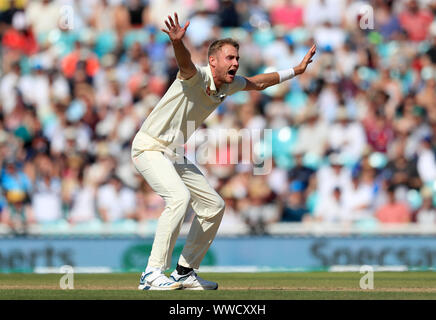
column 352, row 140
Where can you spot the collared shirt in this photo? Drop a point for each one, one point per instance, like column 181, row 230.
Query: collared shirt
column 182, row 110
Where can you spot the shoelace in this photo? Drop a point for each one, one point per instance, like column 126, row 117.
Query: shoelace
column 168, row 281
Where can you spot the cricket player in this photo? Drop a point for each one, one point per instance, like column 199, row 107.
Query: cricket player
column 192, row 97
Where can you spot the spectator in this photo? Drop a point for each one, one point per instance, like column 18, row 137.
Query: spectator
column 18, row 189
column 333, row 175
column 253, row 14
column 329, row 99
column 102, row 18
column 300, row 173
column 201, row 27
column 20, row 37
column 7, row 16
column 379, row 131
column 76, row 95
column 415, row 21
column 46, row 200
column 150, row 205
column 138, row 13
column 418, row 130
column 330, row 207
column 295, row 209
column 83, row 203
column 5, row 217
column 358, row 200
column 426, row 214
column 287, row 14
column 431, row 52
column 319, row 12
column 115, row 202
column 278, row 178
column 278, row 112
column 159, row 9
column 426, row 164
column 228, row 15
column 232, row 222
column 259, row 210
column 401, row 172
column 8, row 88
column 387, row 21
column 48, row 9
column 427, row 95
column 346, row 60
column 80, row 63
column 312, row 135
column 347, row 137
column 393, row 211
column 329, row 37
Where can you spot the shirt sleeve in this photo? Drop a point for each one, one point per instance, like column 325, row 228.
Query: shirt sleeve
column 193, row 80
column 238, row 84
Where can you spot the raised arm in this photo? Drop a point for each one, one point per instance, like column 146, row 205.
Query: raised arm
column 183, row 56
column 265, row 80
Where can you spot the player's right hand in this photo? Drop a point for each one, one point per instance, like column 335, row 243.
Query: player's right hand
column 175, row 31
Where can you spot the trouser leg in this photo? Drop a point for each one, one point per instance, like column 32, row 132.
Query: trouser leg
column 209, row 209
column 161, row 175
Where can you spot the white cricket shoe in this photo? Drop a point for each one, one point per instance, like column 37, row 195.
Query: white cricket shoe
column 156, row 280
column 192, row 281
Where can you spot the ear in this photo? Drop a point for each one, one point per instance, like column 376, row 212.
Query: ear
column 212, row 61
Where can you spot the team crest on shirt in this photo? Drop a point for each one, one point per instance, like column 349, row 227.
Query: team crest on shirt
column 221, row 96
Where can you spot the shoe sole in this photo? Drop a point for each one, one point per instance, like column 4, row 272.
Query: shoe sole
column 148, row 287
column 199, row 288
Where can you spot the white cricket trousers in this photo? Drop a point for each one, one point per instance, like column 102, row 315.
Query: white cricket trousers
column 180, row 185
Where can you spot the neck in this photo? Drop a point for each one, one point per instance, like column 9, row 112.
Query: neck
column 218, row 83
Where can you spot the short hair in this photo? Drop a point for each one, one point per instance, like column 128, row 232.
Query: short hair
column 218, row 44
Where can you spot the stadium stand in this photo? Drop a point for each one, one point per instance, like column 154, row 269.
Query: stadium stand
column 351, row 144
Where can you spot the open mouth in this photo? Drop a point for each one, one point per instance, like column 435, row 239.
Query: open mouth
column 232, row 72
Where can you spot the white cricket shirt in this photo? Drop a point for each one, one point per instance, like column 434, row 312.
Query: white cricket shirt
column 182, row 109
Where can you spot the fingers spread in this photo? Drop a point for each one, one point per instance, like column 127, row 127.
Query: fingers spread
column 168, row 25
column 171, row 21
column 186, row 25
column 177, row 18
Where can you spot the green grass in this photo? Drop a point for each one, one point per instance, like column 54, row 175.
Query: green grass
column 232, row 286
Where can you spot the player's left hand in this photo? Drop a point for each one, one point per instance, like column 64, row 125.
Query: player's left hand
column 306, row 60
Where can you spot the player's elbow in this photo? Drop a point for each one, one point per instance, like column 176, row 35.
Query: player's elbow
column 187, row 72
column 253, row 84
column 261, row 86
column 187, row 68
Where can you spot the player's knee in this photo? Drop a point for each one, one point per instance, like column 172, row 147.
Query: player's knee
column 219, row 206
column 181, row 199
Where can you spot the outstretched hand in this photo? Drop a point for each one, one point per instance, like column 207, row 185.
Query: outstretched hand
column 175, row 31
column 306, row 60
